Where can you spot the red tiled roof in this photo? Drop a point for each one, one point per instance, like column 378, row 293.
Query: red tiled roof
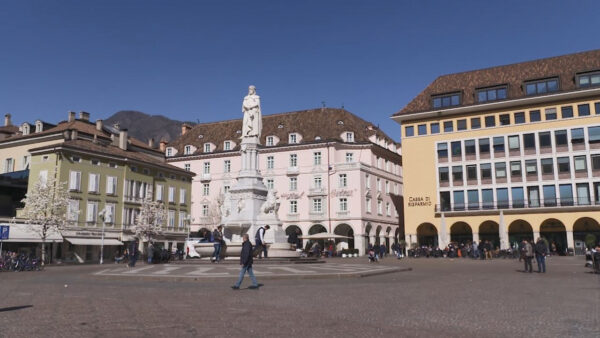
column 109, row 149
column 514, row 75
column 326, row 123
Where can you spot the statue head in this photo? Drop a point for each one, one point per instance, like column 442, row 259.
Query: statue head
column 251, row 90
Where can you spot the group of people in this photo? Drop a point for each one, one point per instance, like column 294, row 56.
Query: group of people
column 216, row 237
column 528, row 250
column 484, row 249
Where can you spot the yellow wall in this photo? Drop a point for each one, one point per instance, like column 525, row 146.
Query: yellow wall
column 420, row 174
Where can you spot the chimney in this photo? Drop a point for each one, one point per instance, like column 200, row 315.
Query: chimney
column 151, row 143
column 117, row 126
column 185, row 128
column 99, row 125
column 123, row 139
column 71, row 116
column 7, row 120
column 163, row 145
column 84, row 116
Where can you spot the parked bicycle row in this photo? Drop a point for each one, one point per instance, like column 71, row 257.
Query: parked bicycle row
column 13, row 261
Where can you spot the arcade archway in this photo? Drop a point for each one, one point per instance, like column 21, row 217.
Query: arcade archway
column 427, row 234
column 555, row 233
column 519, row 230
column 460, row 232
column 490, row 231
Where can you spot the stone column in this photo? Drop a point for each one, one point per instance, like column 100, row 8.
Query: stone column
column 476, row 237
column 359, row 243
column 536, row 235
column 570, row 241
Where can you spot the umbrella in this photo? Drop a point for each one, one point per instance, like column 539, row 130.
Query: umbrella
column 323, row 235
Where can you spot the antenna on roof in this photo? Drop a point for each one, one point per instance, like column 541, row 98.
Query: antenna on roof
column 323, row 104
column 342, row 105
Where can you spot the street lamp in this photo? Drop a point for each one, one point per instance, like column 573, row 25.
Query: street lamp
column 105, row 214
column 188, row 220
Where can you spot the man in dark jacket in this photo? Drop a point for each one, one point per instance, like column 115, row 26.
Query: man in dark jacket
column 218, row 241
column 133, row 253
column 246, row 263
column 540, row 255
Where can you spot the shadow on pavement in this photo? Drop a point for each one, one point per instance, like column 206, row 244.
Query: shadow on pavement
column 14, row 308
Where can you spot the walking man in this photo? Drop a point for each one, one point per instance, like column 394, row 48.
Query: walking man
column 528, row 256
column 133, row 253
column 540, row 255
column 246, row 263
column 260, row 241
column 150, row 253
column 217, row 238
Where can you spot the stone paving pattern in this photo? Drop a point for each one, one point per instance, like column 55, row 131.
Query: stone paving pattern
column 439, row 297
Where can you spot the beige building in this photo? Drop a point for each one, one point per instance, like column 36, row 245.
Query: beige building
column 505, row 153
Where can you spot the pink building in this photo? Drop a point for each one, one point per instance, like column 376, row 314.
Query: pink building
column 332, row 170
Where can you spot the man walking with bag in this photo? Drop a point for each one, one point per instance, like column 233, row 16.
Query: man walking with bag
column 260, row 240
column 246, row 263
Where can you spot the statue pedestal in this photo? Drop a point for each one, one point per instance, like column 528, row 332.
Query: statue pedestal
column 249, row 205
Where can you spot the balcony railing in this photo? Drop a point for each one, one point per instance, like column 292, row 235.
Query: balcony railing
column 517, row 204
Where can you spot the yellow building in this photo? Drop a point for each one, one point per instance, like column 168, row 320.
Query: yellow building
column 505, row 153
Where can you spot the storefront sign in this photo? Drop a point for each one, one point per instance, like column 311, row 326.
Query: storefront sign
column 342, row 192
column 419, row 201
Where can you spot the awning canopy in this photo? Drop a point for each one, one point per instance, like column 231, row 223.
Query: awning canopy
column 93, row 241
column 322, row 235
column 21, row 233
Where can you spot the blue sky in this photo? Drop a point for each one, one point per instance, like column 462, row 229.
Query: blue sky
column 193, row 60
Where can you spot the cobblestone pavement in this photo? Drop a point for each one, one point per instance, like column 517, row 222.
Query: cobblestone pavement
column 439, row 297
column 231, row 271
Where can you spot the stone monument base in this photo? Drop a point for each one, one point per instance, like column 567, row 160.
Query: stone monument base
column 275, row 250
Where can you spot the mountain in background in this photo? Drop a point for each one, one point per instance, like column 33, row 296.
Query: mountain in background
column 143, row 126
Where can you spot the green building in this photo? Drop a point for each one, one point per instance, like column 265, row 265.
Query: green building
column 104, row 169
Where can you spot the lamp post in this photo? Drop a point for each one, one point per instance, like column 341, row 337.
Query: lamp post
column 188, row 220
column 104, row 214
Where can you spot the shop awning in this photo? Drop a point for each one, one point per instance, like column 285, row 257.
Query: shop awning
column 21, row 233
column 93, row 241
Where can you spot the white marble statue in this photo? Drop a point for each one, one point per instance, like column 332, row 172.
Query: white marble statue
column 271, row 203
column 252, row 123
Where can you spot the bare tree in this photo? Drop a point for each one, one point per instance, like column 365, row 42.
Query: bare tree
column 45, row 210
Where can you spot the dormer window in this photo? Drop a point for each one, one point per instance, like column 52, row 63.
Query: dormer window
column 39, row 126
column 446, row 100
column 588, row 79
column 25, row 128
column 170, row 151
column 207, row 148
column 293, row 138
column 227, row 145
column 349, row 136
column 270, row 141
column 491, row 94
column 187, row 150
column 543, row 86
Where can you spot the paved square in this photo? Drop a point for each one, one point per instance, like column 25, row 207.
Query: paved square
column 455, row 298
column 231, row 271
